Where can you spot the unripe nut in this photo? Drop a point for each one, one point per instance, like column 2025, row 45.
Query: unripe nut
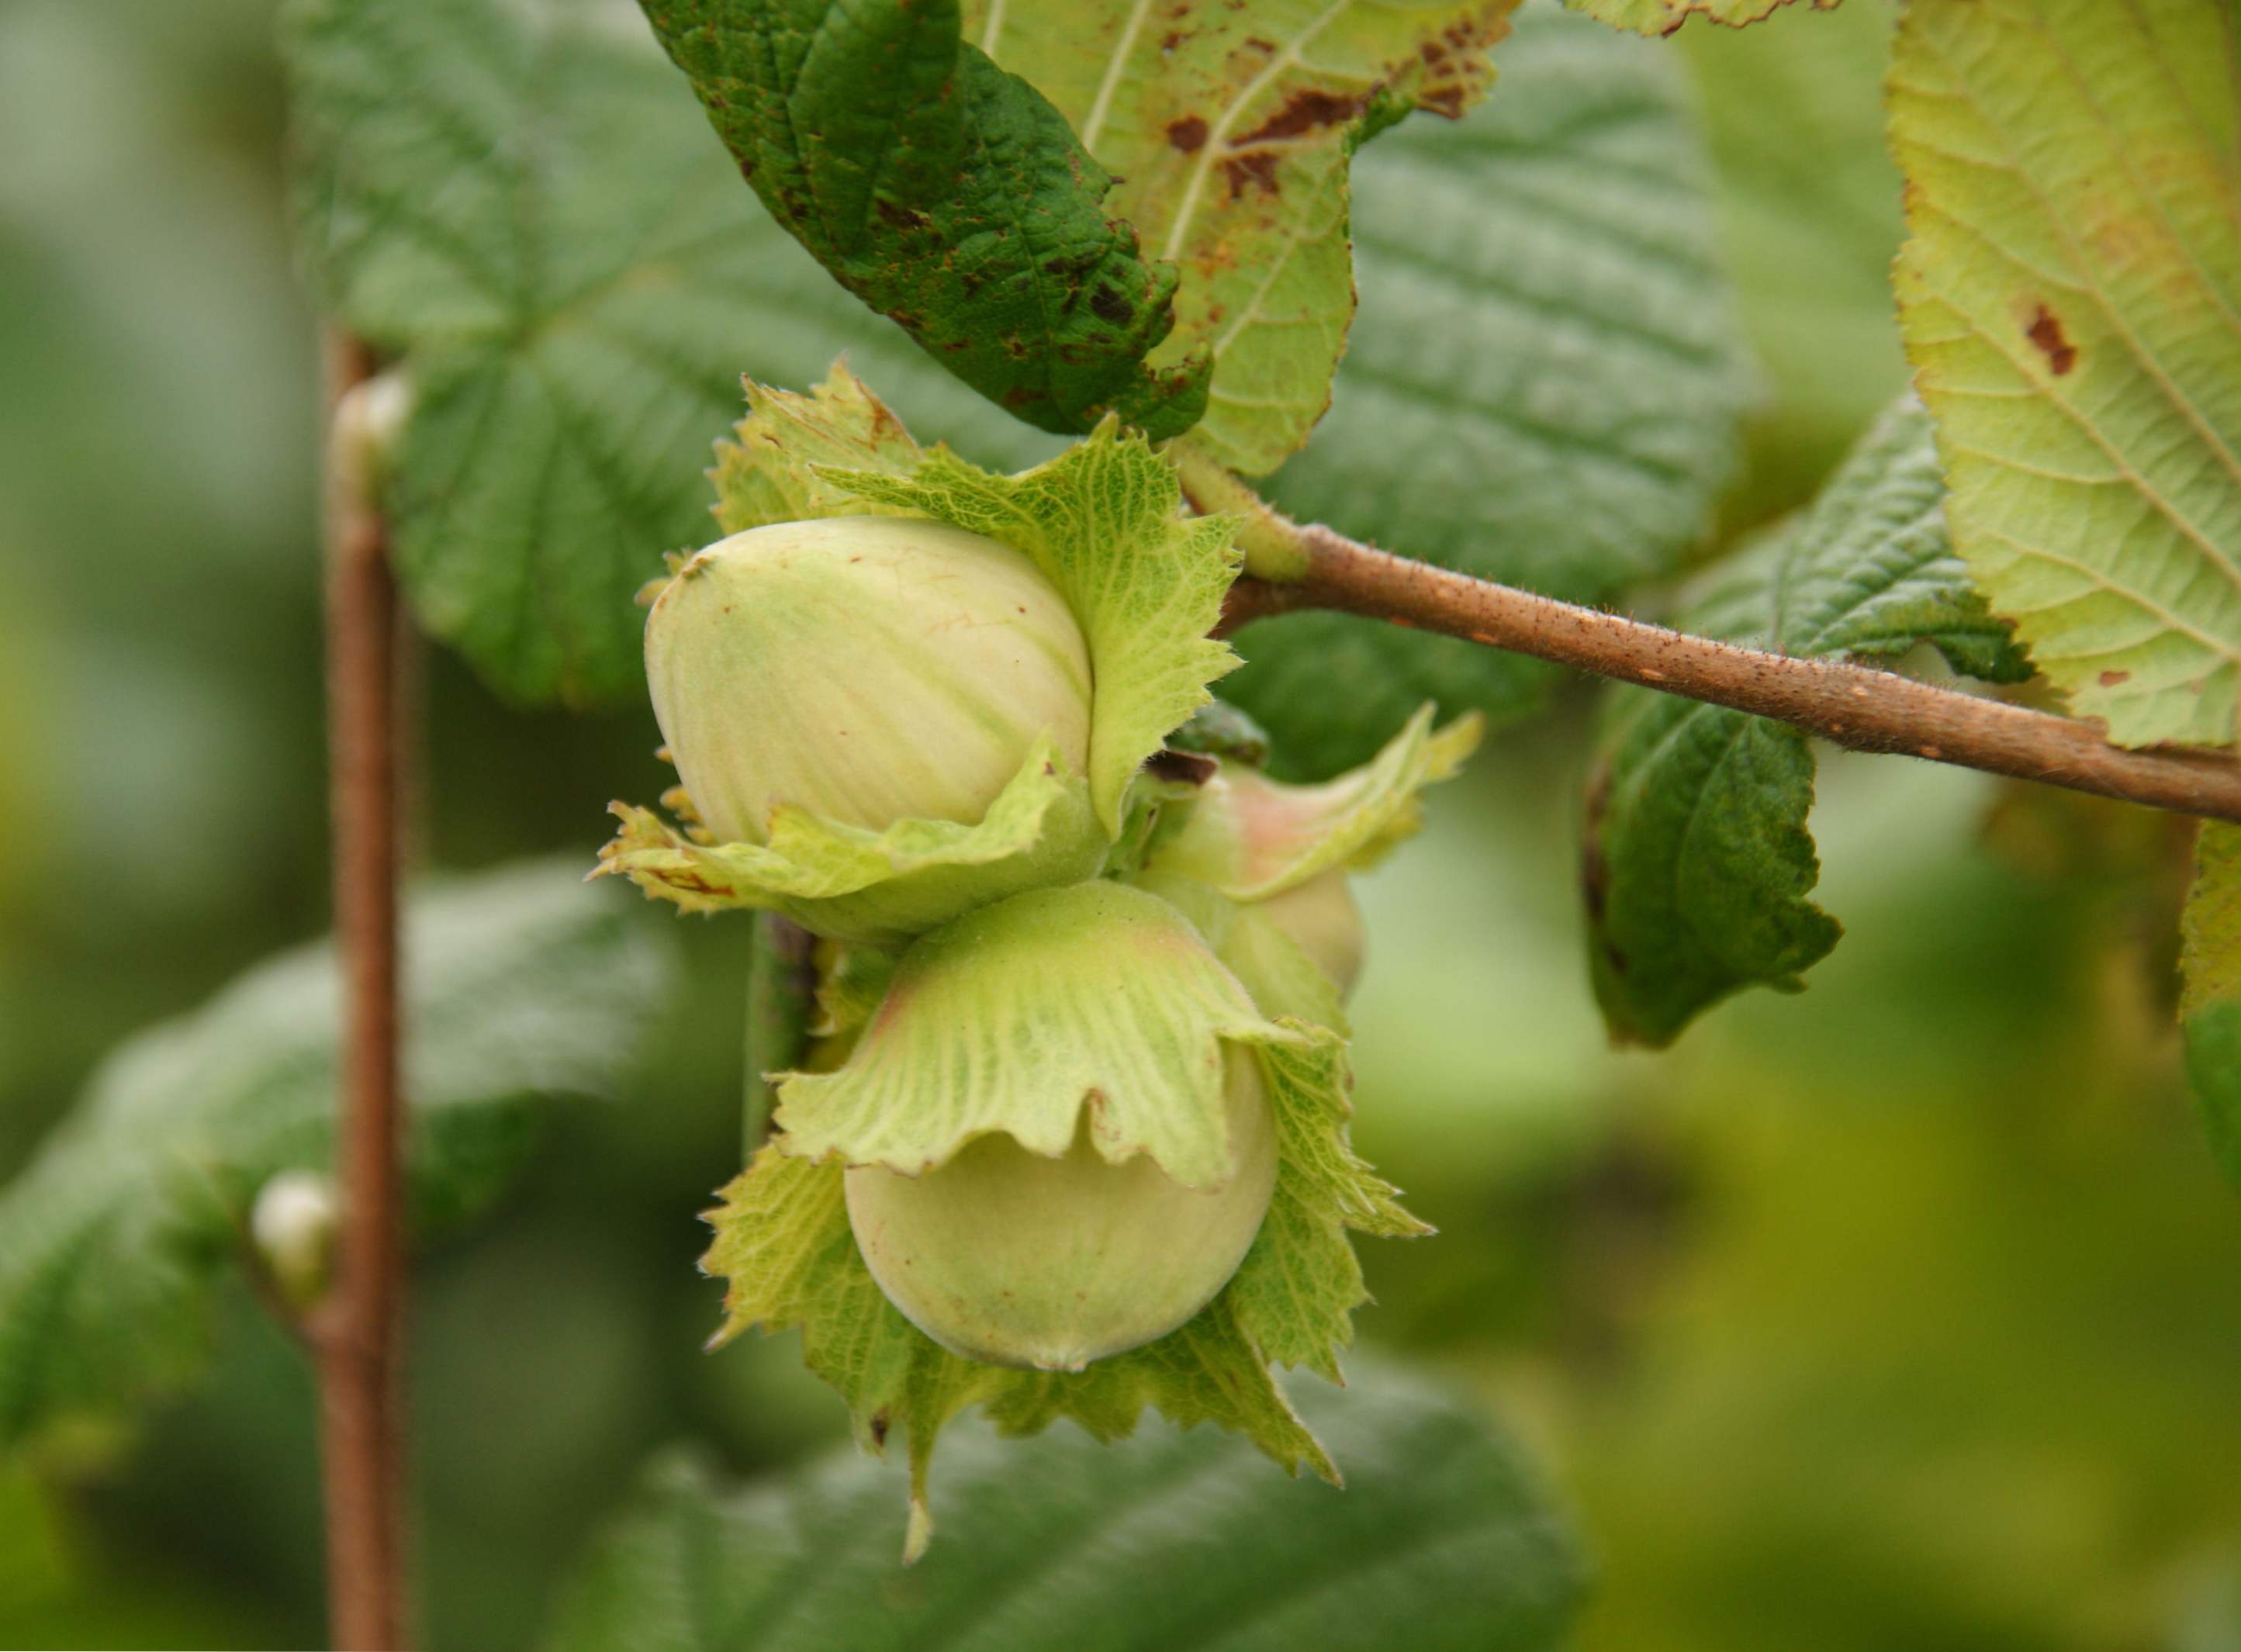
column 1244, row 828
column 1011, row 1258
column 867, row 669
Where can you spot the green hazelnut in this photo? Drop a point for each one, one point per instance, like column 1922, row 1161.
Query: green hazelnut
column 866, row 669
column 1008, row 1257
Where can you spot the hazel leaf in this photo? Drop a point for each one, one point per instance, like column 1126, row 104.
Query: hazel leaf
column 1058, row 1546
column 947, row 194
column 1232, row 130
column 1664, row 16
column 1697, row 863
column 2071, row 298
column 516, row 199
column 1549, row 336
column 1104, row 522
column 520, row 987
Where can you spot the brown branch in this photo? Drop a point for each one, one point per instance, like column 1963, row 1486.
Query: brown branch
column 358, row 1329
column 1855, row 706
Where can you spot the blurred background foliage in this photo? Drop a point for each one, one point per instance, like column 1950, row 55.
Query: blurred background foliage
column 1901, row 1314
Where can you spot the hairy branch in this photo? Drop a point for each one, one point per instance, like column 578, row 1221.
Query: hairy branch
column 1853, row 706
column 358, row 1329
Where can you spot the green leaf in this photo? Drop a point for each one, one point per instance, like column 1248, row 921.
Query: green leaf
column 521, row 986
column 2209, row 1006
column 518, row 199
column 1231, row 128
column 945, row 194
column 2071, row 302
column 1543, row 388
column 1060, row 1547
column 1104, row 522
column 1697, row 859
column 1664, row 16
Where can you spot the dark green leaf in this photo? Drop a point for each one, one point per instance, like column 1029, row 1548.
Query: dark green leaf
column 1441, row 1540
column 1697, row 859
column 2210, row 1011
column 1542, row 387
column 522, row 984
column 521, row 201
column 944, row 193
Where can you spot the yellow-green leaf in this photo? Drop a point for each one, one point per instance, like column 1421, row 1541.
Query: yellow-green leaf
column 2071, row 302
column 1231, row 128
column 1664, row 16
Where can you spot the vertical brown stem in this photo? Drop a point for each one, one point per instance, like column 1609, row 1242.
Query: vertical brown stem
column 358, row 1331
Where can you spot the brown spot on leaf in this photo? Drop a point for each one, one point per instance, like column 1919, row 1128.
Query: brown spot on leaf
column 2045, row 331
column 897, row 217
column 2110, row 678
column 1110, row 303
column 1255, row 166
column 1303, row 111
column 1187, row 134
column 880, row 1423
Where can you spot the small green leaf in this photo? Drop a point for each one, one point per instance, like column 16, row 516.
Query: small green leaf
column 2210, row 1007
column 2071, row 302
column 1104, row 522
column 1231, row 128
column 518, row 199
column 1543, row 386
column 1664, row 16
column 1697, row 859
column 1443, row 1541
column 521, row 985
column 945, row 194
